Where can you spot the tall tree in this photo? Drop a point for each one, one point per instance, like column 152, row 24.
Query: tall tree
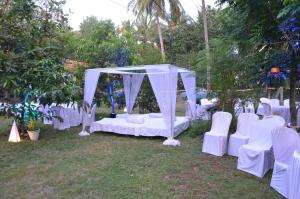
column 157, row 8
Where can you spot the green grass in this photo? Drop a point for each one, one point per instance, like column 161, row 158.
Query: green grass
column 63, row 165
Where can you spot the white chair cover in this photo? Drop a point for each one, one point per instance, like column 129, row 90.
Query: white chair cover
column 215, row 141
column 294, row 179
column 286, row 102
column 74, row 115
column 241, row 136
column 285, row 141
column 59, row 111
column 48, row 112
column 238, row 108
column 256, row 157
column 205, row 101
column 89, row 118
column 275, row 102
column 266, row 103
column 132, row 84
column 249, row 107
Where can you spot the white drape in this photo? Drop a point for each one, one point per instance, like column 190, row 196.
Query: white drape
column 90, row 84
column 189, row 82
column 132, row 84
column 164, row 85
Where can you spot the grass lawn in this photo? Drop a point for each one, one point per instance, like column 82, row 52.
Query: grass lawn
column 63, row 165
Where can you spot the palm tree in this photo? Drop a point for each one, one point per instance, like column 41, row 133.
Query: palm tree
column 157, row 8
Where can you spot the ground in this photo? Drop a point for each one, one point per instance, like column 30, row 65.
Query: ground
column 63, row 165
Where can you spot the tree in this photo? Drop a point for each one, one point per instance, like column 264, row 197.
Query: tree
column 273, row 24
column 32, row 51
column 158, row 9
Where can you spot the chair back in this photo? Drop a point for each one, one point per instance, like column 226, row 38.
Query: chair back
column 267, row 109
column 249, row 107
column 275, row 102
column 286, row 102
column 245, row 123
column 261, row 131
column 205, row 101
column 285, row 141
column 221, row 123
column 238, row 107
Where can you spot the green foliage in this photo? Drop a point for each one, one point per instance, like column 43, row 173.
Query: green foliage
column 32, row 50
column 33, row 125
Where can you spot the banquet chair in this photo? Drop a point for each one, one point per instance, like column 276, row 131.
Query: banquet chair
column 285, row 141
column 238, row 108
column 286, row 102
column 294, row 179
column 89, row 118
column 266, row 104
column 215, row 141
column 205, row 101
column 249, row 107
column 256, row 157
column 60, row 118
column 74, row 115
column 242, row 134
column 275, row 102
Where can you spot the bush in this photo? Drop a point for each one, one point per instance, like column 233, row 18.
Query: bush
column 198, row 128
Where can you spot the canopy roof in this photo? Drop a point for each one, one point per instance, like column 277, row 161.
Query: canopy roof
column 142, row 69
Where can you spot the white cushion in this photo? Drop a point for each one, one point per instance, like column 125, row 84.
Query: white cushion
column 155, row 115
column 136, row 119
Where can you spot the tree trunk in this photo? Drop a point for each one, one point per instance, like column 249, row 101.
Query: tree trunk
column 293, row 79
column 206, row 44
column 162, row 48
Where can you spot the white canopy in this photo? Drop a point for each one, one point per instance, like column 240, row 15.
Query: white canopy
column 163, row 79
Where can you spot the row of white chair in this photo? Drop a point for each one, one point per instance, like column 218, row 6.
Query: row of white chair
column 64, row 117
column 252, row 144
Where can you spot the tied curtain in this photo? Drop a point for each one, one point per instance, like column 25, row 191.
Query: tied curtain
column 189, row 82
column 132, row 84
column 90, row 84
column 164, row 85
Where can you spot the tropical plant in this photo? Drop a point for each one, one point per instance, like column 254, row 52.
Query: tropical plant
column 157, row 8
column 33, row 125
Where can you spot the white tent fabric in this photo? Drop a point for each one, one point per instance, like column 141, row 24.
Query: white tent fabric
column 241, row 136
column 285, row 141
column 286, row 102
column 256, row 156
column 89, row 118
column 298, row 115
column 275, row 102
column 215, row 141
column 132, row 84
column 90, row 85
column 294, row 179
column 168, row 84
column 164, row 85
column 189, row 82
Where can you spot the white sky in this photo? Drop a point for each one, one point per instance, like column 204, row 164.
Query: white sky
column 116, row 10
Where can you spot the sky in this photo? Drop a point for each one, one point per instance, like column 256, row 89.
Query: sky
column 116, row 10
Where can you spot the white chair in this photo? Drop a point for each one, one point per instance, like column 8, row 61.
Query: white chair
column 238, row 108
column 275, row 102
column 242, row 134
column 285, row 141
column 205, row 102
column 89, row 118
column 256, row 157
column 286, row 102
column 294, row 179
column 249, row 107
column 267, row 108
column 74, row 115
column 60, row 118
column 215, row 141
